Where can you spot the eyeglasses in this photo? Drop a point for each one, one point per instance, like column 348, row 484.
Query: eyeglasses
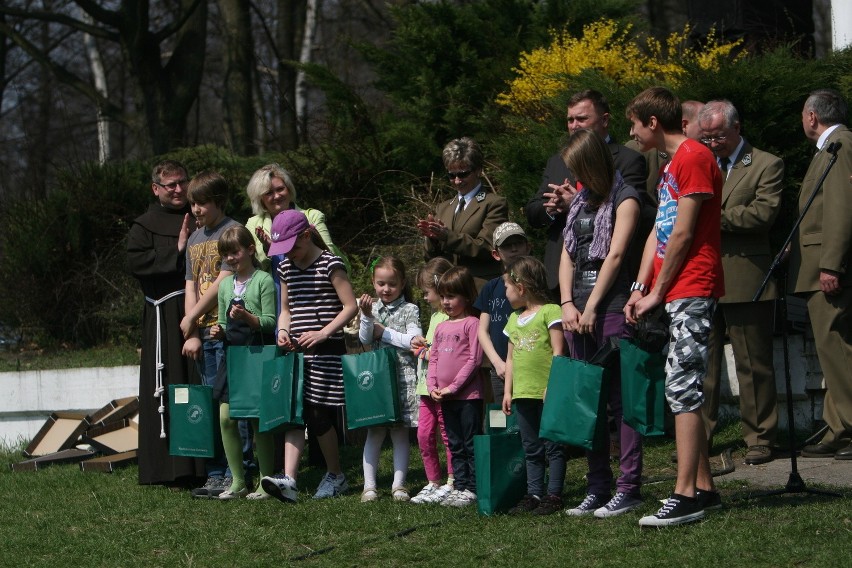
column 710, row 139
column 460, row 175
column 174, row 185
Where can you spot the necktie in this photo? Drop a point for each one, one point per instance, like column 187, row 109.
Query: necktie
column 723, row 164
column 460, row 207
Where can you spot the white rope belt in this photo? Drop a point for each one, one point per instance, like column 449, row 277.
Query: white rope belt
column 158, row 389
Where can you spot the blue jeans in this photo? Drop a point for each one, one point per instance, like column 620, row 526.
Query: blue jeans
column 462, row 421
column 213, row 355
column 535, row 449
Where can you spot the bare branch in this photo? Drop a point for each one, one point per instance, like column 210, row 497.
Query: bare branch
column 60, row 19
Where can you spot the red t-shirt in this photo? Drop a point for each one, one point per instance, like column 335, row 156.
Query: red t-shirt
column 693, row 170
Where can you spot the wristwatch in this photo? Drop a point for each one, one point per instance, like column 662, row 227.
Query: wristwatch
column 639, row 286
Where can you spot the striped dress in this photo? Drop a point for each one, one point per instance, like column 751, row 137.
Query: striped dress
column 313, row 304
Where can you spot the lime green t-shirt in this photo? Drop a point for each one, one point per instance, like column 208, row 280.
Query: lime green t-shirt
column 423, row 364
column 532, row 352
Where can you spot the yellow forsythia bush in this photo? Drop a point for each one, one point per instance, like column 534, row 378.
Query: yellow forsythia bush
column 604, row 46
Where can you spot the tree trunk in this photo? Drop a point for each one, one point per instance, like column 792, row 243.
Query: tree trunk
column 310, row 31
column 288, row 37
column 239, row 62
column 96, row 66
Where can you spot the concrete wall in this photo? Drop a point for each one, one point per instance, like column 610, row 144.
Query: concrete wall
column 33, row 395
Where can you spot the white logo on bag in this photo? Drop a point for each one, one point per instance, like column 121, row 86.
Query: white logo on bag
column 516, row 467
column 365, row 380
column 276, row 384
column 194, row 414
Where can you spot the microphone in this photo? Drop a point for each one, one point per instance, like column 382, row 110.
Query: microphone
column 833, row 147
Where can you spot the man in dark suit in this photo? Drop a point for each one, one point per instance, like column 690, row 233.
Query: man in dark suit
column 549, row 206
column 462, row 228
column 751, row 200
column 821, row 265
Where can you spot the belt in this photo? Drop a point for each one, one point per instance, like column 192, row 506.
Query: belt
column 158, row 357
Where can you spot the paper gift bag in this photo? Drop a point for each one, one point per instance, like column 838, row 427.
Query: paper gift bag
column 574, row 410
column 370, row 388
column 245, row 371
column 501, row 472
column 281, row 392
column 192, row 421
column 643, row 383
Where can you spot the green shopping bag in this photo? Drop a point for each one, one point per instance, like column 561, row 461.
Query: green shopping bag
column 574, row 410
column 192, row 421
column 498, row 423
column 501, row 472
column 281, row 392
column 245, row 370
column 643, row 383
column 370, row 388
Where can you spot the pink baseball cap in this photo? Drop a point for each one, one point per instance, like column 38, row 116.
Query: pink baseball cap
column 286, row 228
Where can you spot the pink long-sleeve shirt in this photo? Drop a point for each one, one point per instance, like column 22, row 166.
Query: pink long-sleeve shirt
column 455, row 358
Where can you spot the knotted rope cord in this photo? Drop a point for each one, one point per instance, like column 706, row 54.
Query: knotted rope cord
column 158, row 357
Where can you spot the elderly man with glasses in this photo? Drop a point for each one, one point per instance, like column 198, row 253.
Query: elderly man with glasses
column 751, row 201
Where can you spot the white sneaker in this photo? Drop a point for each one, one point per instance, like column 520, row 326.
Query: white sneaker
column 280, row 486
column 451, row 496
column 464, row 498
column 331, row 486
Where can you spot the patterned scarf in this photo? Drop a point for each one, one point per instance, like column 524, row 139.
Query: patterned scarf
column 602, row 236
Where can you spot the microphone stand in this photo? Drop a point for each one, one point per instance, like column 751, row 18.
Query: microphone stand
column 795, row 483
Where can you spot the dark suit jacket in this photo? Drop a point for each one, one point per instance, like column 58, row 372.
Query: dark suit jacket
column 630, row 163
column 751, row 200
column 469, row 241
column 824, row 238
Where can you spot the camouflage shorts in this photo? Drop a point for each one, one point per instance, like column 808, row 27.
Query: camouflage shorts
column 689, row 341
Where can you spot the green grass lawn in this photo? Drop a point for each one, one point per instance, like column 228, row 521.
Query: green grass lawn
column 60, row 516
column 37, row 359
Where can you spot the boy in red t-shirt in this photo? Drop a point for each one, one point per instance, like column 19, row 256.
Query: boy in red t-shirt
column 681, row 268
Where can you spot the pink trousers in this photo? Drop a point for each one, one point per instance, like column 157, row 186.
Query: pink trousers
column 429, row 421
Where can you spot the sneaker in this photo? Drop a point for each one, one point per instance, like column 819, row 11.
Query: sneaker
column 258, row 496
column 214, row 483
column 400, row 494
column 369, row 495
column 527, row 504
column 621, row 503
column 331, row 486
column 227, row 494
column 432, row 494
column 708, row 500
column 225, row 485
column 280, row 486
column 549, row 504
column 450, row 498
column 463, row 499
column 589, row 505
column 678, row 510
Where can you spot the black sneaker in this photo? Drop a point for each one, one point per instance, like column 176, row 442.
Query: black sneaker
column 549, row 504
column 589, row 505
column 678, row 510
column 708, row 500
column 211, row 489
column 525, row 505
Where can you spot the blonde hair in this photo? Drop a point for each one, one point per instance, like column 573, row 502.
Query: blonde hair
column 261, row 182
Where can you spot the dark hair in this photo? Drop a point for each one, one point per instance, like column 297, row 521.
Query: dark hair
column 432, row 271
column 396, row 265
column 531, row 273
column 233, row 239
column 828, row 106
column 463, row 150
column 457, row 281
column 208, row 186
column 596, row 97
column 660, row 103
column 588, row 156
column 165, row 168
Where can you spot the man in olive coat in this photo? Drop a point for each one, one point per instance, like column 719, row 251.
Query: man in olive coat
column 820, row 264
column 751, row 200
